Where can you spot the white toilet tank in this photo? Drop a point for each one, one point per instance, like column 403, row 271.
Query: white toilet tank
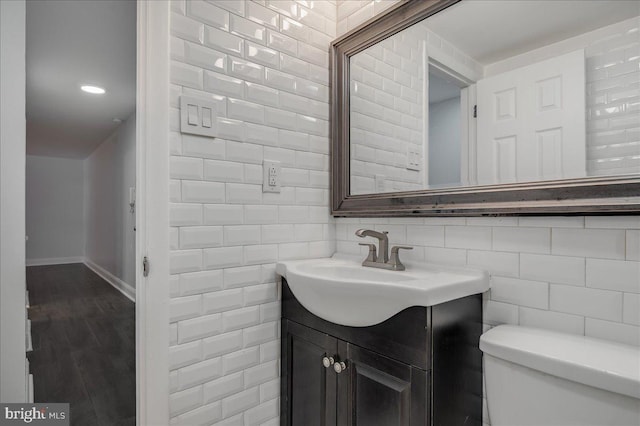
column 540, row 377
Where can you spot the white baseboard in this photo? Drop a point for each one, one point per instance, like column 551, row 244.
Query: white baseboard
column 117, row 283
column 54, row 261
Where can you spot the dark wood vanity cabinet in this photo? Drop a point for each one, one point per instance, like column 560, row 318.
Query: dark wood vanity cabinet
column 312, row 387
column 372, row 390
column 378, row 391
column 420, row 367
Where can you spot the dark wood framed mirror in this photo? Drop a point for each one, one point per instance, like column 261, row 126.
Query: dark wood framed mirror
column 583, row 178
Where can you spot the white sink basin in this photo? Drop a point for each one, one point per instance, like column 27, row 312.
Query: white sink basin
column 340, row 290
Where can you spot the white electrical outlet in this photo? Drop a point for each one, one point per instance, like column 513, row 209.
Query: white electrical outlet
column 271, row 176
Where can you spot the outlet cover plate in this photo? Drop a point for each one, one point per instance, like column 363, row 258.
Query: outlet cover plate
column 271, row 176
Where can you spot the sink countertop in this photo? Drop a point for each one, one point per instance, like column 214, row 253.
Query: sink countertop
column 339, row 289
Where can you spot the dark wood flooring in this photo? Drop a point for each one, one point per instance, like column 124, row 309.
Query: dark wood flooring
column 83, row 333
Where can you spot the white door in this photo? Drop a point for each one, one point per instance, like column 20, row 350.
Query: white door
column 531, row 122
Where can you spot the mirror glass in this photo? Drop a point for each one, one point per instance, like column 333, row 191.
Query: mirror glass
column 492, row 92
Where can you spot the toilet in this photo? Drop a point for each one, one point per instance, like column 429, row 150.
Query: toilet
column 541, row 377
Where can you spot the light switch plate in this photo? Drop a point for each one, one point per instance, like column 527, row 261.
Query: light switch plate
column 198, row 116
column 413, row 159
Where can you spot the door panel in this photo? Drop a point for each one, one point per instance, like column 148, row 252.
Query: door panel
column 377, row 391
column 388, row 394
column 531, row 122
column 309, row 389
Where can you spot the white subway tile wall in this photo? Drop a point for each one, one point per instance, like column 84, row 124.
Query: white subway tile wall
column 265, row 64
column 580, row 266
column 613, row 101
column 387, row 105
column 381, row 87
column 582, row 279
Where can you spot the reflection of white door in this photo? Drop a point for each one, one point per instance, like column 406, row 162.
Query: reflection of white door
column 531, row 122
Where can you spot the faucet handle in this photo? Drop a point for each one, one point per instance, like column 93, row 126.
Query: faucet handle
column 394, row 260
column 372, row 256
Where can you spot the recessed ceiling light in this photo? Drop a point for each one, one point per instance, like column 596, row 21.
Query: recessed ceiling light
column 94, row 90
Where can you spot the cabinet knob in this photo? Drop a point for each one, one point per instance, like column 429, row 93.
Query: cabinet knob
column 339, row 367
column 327, row 361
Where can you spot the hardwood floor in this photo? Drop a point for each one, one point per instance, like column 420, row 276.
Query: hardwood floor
column 83, row 334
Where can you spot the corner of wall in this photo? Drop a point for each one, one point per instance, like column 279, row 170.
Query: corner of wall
column 13, row 386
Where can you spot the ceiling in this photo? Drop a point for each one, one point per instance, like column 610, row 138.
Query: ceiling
column 70, row 43
column 441, row 89
column 493, row 30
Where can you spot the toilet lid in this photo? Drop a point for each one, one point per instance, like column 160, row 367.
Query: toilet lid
column 599, row 363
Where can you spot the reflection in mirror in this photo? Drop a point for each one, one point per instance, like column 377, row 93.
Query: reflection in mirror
column 443, row 141
column 491, row 92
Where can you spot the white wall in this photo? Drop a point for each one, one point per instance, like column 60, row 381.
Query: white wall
column 379, row 143
column 266, row 66
column 387, row 114
column 387, row 104
column 54, row 210
column 579, row 275
column 13, row 384
column 444, row 142
column 78, row 210
column 575, row 274
column 127, row 172
column 109, row 172
column 267, row 70
column 612, row 74
column 12, row 202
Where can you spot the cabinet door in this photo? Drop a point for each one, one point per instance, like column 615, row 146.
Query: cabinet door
column 308, row 387
column 375, row 390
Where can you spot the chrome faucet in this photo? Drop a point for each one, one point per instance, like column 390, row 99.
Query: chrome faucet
column 381, row 260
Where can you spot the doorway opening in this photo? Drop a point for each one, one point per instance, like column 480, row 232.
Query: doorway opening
column 81, row 206
column 450, row 120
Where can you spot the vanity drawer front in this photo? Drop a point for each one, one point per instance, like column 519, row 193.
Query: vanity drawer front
column 404, row 337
